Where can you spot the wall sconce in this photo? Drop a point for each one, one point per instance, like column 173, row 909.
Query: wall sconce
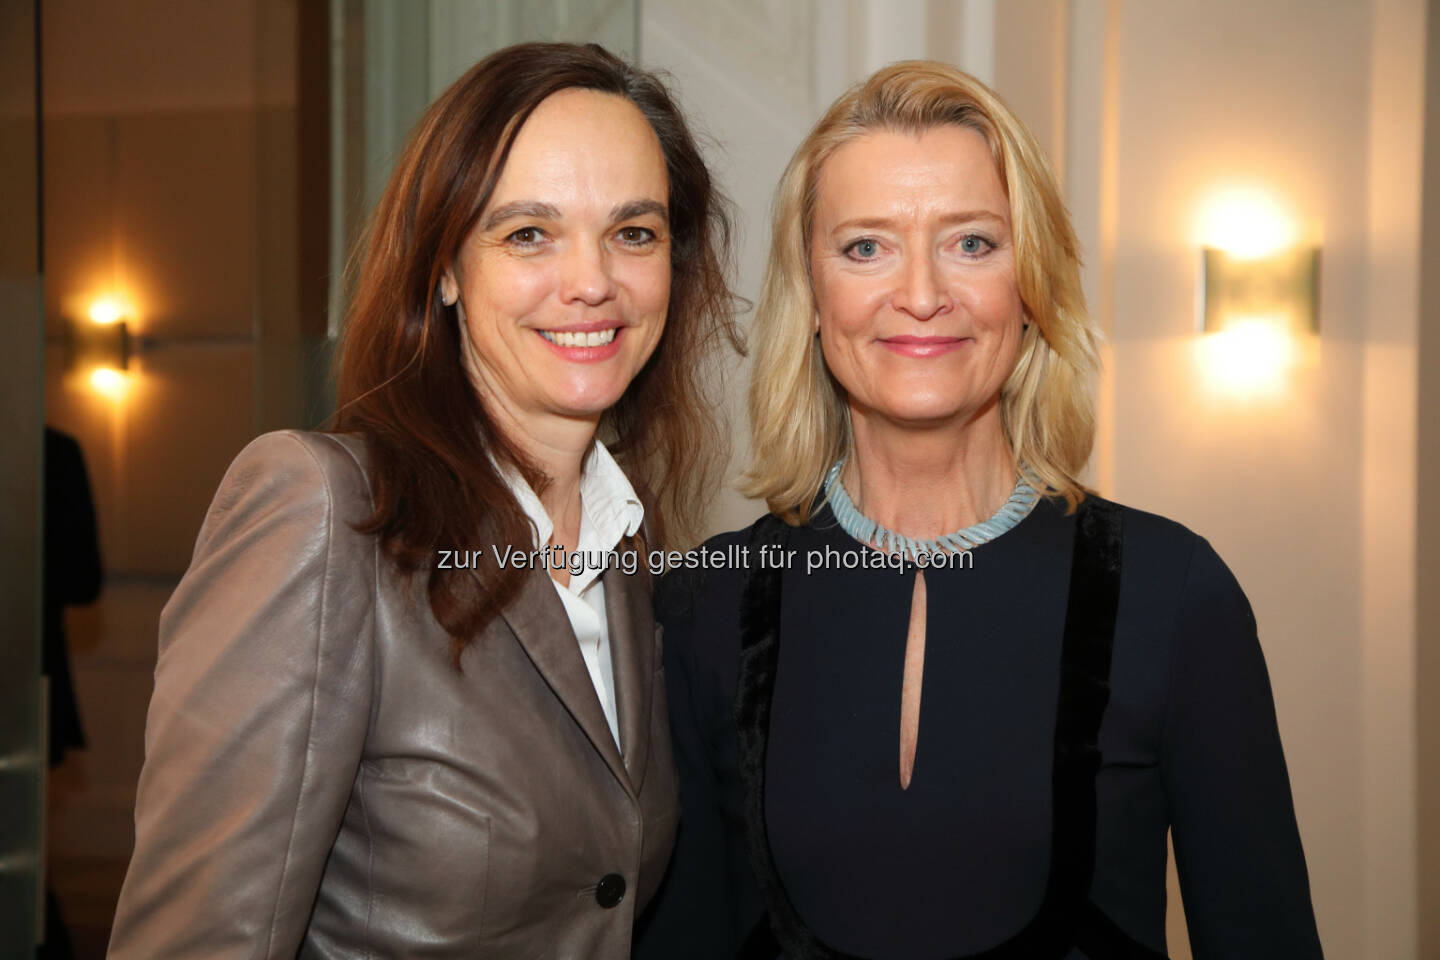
column 1252, row 312
column 1257, row 293
column 100, row 344
column 1280, row 288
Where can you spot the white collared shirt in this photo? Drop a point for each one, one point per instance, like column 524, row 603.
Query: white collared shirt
column 609, row 510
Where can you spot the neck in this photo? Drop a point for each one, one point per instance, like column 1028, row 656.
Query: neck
column 923, row 482
column 557, row 445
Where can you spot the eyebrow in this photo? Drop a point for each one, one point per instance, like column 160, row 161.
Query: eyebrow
column 640, row 208
column 521, row 208
column 538, row 210
column 948, row 220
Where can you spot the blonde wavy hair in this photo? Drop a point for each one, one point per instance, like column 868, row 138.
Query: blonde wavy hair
column 799, row 419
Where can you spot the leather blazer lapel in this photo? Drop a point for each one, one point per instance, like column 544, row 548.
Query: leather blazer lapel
column 539, row 622
column 632, row 652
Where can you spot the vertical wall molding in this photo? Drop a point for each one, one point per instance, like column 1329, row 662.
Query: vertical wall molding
column 1388, row 477
column 1090, row 113
column 1427, row 566
column 977, row 39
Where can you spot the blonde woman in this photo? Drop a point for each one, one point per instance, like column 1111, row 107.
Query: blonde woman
column 954, row 701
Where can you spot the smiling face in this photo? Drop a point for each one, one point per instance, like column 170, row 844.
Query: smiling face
column 913, row 262
column 564, row 281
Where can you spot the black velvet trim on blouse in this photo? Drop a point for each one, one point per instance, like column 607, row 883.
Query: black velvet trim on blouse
column 1067, row 918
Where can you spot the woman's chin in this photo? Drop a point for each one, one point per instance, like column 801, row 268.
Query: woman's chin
column 587, row 401
column 583, row 389
column 920, row 413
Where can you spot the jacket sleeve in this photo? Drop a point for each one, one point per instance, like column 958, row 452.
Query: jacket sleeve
column 260, row 710
column 1237, row 848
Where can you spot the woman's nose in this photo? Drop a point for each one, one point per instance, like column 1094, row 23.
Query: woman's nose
column 921, row 292
column 585, row 274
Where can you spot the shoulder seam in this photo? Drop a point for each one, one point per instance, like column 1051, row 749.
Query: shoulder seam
column 375, row 566
column 359, row 466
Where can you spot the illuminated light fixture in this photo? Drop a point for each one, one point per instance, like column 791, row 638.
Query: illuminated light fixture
column 109, row 381
column 1257, row 293
column 101, row 342
column 106, row 311
column 1252, row 264
column 1283, row 287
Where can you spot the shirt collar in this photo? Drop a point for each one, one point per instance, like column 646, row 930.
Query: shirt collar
column 608, row 500
column 609, row 507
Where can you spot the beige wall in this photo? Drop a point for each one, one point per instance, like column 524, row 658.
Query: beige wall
column 1211, row 95
column 1309, row 493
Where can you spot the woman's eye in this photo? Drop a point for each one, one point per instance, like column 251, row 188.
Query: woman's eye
column 636, row 236
column 863, row 249
column 526, row 236
column 973, row 244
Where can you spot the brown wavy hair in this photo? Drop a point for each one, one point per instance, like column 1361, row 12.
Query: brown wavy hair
column 401, row 383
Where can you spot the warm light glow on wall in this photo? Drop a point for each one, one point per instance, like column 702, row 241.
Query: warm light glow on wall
column 109, row 382
column 107, row 310
column 1245, row 222
column 1251, row 357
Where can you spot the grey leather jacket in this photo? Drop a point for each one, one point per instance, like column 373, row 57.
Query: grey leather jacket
column 321, row 781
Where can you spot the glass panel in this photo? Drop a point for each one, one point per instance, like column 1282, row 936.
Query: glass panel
column 21, row 727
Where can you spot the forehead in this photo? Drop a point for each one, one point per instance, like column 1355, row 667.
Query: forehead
column 584, row 143
column 890, row 171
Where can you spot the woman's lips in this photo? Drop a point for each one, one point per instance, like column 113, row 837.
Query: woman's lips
column 910, row 346
column 583, row 345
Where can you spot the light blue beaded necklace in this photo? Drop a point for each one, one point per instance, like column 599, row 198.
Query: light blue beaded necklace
column 862, row 528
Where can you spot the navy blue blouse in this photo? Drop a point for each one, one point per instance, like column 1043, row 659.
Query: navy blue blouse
column 958, row 862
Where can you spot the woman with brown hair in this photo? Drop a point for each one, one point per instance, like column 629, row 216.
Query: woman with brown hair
column 962, row 717
column 393, row 714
